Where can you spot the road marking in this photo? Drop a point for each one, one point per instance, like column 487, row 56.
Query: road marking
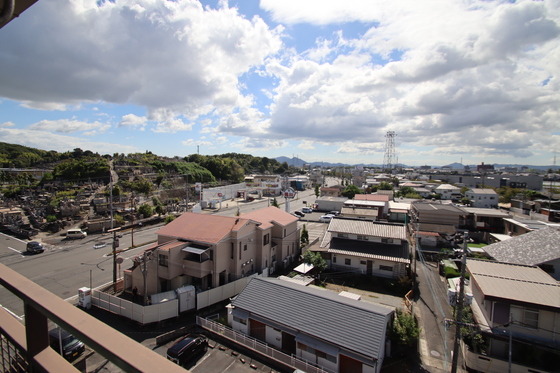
column 17, row 251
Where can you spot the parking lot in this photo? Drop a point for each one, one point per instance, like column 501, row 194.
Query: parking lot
column 218, row 358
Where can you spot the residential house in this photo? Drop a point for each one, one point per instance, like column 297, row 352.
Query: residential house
column 448, row 191
column 380, row 202
column 210, row 250
column 516, row 227
column 517, row 309
column 367, row 247
column 435, row 222
column 538, row 248
column 485, row 220
column 331, row 191
column 332, row 331
column 480, row 197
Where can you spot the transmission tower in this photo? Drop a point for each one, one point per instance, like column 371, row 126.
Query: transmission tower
column 389, row 159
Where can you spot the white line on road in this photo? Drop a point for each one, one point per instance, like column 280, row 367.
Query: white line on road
column 11, row 248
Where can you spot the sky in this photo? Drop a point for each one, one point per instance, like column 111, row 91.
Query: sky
column 324, row 80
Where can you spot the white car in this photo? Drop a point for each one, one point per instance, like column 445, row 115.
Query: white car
column 307, row 210
column 326, row 218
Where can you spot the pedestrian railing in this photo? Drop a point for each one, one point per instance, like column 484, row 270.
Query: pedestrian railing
column 260, row 347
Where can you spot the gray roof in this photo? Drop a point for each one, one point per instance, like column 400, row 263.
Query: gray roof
column 350, row 324
column 518, row 283
column 368, row 228
column 531, row 224
column 431, row 207
column 479, row 211
column 482, row 191
column 531, row 248
column 372, row 250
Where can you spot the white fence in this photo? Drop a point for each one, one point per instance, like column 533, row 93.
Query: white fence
column 256, row 345
column 216, row 295
column 133, row 311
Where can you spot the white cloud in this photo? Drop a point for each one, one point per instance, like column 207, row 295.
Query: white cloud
column 191, row 142
column 133, row 121
column 307, row 145
column 69, row 126
column 7, row 124
column 172, row 126
column 60, row 143
column 156, row 54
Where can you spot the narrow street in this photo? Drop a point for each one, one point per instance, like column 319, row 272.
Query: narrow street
column 431, row 308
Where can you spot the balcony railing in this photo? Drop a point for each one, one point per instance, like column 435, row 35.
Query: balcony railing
column 25, row 348
column 197, row 269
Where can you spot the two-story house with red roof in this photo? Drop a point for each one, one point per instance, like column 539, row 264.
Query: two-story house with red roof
column 208, row 251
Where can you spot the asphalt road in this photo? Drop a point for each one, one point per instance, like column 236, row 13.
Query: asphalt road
column 67, row 265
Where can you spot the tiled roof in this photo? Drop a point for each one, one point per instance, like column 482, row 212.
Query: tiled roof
column 270, row 214
column 368, row 228
column 350, row 324
column 368, row 249
column 202, row 227
column 515, row 282
column 531, row 248
column 438, row 228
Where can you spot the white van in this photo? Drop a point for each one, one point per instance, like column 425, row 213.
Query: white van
column 75, row 233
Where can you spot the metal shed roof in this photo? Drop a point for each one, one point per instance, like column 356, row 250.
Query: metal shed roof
column 350, row 324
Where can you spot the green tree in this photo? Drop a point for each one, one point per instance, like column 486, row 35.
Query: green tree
column 168, row 219
column 351, row 191
column 142, row 185
column 385, row 186
column 274, row 203
column 118, row 219
column 304, row 235
column 403, row 191
column 405, row 330
column 320, row 264
column 317, row 190
column 146, row 210
column 465, row 201
column 160, row 210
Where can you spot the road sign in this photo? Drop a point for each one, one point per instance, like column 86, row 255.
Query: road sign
column 289, row 193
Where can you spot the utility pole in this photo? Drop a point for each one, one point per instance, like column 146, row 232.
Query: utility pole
column 459, row 309
column 132, row 219
column 115, row 245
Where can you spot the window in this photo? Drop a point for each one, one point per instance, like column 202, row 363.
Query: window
column 363, row 262
column 163, row 260
column 266, row 239
column 526, row 317
column 348, row 261
column 245, row 247
column 387, row 240
column 334, row 259
column 342, row 235
column 240, row 320
column 240, row 251
column 362, row 238
column 386, row 268
column 232, row 250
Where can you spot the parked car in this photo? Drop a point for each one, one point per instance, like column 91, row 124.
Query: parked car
column 187, row 348
column 307, row 210
column 299, row 213
column 34, row 247
column 71, row 346
column 335, row 213
column 326, row 218
column 75, row 233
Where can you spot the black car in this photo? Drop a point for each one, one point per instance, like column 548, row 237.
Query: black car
column 299, row 213
column 187, row 348
column 71, row 346
column 34, row 247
